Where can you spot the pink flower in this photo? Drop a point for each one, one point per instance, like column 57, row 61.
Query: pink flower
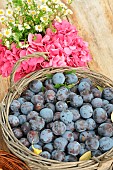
column 65, row 48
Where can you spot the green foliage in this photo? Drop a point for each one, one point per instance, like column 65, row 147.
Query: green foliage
column 30, row 16
column 49, row 76
column 70, row 72
column 68, row 86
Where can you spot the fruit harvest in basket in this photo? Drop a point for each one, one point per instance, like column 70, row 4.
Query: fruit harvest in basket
column 30, row 26
column 60, row 114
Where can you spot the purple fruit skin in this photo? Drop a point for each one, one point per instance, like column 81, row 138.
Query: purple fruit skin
column 33, row 137
column 58, row 128
column 18, row 133
column 46, row 136
column 26, row 107
column 15, row 105
column 60, row 143
column 74, row 148
column 25, row 142
column 13, row 120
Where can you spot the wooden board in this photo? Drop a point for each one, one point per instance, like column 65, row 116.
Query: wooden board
column 94, row 20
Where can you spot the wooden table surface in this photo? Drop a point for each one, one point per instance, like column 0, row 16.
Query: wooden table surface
column 94, row 20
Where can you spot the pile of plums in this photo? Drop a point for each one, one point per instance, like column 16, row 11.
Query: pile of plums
column 64, row 117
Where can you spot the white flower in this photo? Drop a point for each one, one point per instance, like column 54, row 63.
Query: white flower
column 32, row 12
column 1, row 35
column 12, row 20
column 69, row 1
column 49, row 3
column 23, row 45
column 68, row 11
column 55, row 1
column 29, row 1
column 20, row 27
column 45, row 8
column 7, row 44
column 27, row 26
column 7, row 32
column 44, row 19
column 58, row 19
column 2, row 18
column 9, row 12
column 2, row 12
column 18, row 9
column 56, row 6
column 38, row 28
column 63, row 5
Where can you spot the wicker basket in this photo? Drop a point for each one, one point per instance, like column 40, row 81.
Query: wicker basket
column 10, row 162
column 36, row 162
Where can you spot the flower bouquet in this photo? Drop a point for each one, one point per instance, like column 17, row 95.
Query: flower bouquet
column 30, row 26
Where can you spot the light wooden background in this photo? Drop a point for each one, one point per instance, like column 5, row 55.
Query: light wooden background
column 94, row 20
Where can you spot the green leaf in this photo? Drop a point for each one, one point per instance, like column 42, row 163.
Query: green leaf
column 70, row 72
column 69, row 86
column 43, row 88
column 100, row 88
column 57, row 86
column 49, row 76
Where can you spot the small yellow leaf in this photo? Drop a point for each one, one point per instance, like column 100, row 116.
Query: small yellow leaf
column 100, row 88
column 86, row 156
column 112, row 116
column 36, row 151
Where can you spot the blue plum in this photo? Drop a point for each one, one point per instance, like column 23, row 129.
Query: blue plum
column 58, row 155
column 27, row 94
column 66, row 116
column 99, row 115
column 86, row 111
column 46, row 136
column 45, row 154
column 105, row 144
column 58, row 128
column 26, row 107
column 60, row 143
column 105, row 130
column 36, row 86
column 68, row 135
column 15, row 105
column 62, row 94
column 80, row 125
column 76, row 100
column 92, row 144
column 47, row 114
column 33, row 137
column 61, row 105
column 37, row 124
column 91, row 124
column 71, row 78
column 50, row 96
column 83, row 86
column 73, row 148
column 58, row 78
column 13, row 120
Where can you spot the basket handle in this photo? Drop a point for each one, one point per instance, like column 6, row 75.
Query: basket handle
column 16, row 65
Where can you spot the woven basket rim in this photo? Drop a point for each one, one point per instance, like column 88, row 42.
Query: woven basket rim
column 24, row 153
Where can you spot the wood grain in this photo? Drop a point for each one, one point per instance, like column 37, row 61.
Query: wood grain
column 94, row 22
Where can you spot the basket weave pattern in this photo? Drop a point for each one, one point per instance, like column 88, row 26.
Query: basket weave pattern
column 36, row 162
